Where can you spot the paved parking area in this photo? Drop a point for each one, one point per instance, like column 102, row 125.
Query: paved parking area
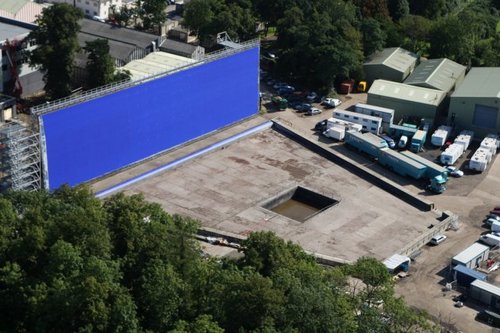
column 225, row 189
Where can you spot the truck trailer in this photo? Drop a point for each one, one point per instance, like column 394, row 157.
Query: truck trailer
column 418, row 141
column 405, row 163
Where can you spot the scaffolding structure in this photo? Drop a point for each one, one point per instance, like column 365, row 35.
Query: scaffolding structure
column 20, row 167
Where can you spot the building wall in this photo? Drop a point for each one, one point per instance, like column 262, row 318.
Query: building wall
column 405, row 108
column 92, row 7
column 462, row 109
column 375, row 72
column 91, row 139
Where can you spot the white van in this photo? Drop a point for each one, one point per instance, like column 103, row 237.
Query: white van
column 403, row 141
column 495, row 226
column 490, row 239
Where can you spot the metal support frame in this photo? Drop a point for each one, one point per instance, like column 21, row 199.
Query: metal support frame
column 20, row 167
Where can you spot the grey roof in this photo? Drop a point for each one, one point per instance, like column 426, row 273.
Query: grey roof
column 488, row 287
column 119, row 34
column 470, row 253
column 117, row 50
column 480, row 82
column 185, row 48
column 9, row 31
column 438, row 74
column 407, row 92
column 394, row 57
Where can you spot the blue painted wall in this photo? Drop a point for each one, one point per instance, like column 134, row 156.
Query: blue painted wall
column 91, row 139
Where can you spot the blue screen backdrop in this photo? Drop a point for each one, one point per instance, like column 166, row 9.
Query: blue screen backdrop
column 91, row 139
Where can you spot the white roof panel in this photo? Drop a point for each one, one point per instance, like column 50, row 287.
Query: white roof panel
column 470, row 253
column 394, row 261
column 492, row 289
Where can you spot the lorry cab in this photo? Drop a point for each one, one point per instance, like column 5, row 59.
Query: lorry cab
column 403, row 141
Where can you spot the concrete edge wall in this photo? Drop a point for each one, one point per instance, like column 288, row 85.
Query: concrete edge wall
column 447, row 219
column 359, row 170
column 235, row 238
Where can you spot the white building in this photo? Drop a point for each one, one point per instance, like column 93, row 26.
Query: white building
column 92, row 7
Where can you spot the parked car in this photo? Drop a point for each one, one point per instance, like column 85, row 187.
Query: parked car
column 495, row 211
column 304, row 107
column 493, row 216
column 271, row 82
column 313, row 111
column 489, row 221
column 321, row 125
column 312, row 97
column 331, row 102
column 454, row 172
column 286, row 90
column 278, row 85
column 438, row 239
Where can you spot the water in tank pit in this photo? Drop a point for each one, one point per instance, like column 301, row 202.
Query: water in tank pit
column 295, row 209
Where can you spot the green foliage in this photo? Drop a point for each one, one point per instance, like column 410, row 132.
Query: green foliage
column 55, row 36
column 100, row 66
column 417, row 31
column 319, row 44
column 209, row 17
column 373, row 36
column 152, row 12
column 398, row 8
column 373, row 8
column 71, row 263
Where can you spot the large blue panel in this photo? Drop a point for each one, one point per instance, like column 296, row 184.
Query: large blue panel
column 88, row 140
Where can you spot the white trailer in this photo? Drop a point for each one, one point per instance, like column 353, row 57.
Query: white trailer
column 451, row 154
column 369, row 123
column 479, row 161
column 440, row 135
column 335, row 128
column 386, row 114
column 464, row 138
column 472, row 256
column 490, row 143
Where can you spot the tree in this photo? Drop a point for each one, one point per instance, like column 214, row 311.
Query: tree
column 373, row 36
column 152, row 12
column 319, row 44
column 449, row 38
column 398, row 8
column 373, row 8
column 100, row 67
column 55, row 36
column 417, row 30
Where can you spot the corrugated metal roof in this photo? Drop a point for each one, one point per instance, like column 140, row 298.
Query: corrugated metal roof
column 470, row 272
column 470, row 253
column 155, row 63
column 394, row 57
column 407, row 92
column 12, row 6
column 113, row 32
column 173, row 45
column 480, row 82
column 438, row 74
column 492, row 289
column 9, row 31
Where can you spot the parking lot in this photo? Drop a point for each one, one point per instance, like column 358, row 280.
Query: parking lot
column 471, row 197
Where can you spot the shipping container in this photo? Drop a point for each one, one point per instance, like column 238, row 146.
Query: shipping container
column 366, row 142
column 401, row 164
column 472, row 256
column 432, row 170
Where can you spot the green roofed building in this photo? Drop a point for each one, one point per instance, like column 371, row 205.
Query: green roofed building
column 406, row 100
column 393, row 64
column 441, row 74
column 475, row 104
